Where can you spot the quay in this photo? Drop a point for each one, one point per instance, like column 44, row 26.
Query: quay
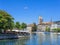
column 14, row 34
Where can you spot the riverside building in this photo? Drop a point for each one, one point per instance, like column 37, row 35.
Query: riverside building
column 43, row 25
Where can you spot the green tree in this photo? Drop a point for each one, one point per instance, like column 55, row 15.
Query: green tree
column 17, row 26
column 56, row 29
column 34, row 27
column 47, row 29
column 23, row 26
column 6, row 21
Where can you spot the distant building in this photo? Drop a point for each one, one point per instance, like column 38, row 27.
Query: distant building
column 29, row 27
column 56, row 24
column 42, row 25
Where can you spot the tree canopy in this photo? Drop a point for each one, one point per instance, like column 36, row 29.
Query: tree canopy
column 47, row 29
column 23, row 26
column 6, row 21
column 34, row 28
column 17, row 25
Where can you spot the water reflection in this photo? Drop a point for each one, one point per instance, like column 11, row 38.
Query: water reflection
column 35, row 39
column 45, row 39
column 21, row 41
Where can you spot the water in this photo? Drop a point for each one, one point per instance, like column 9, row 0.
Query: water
column 34, row 39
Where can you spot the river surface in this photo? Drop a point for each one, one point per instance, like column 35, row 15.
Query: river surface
column 34, row 39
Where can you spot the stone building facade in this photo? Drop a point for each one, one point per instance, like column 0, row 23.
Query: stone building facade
column 51, row 24
column 42, row 25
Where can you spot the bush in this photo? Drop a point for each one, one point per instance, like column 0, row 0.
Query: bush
column 47, row 29
column 34, row 28
column 56, row 29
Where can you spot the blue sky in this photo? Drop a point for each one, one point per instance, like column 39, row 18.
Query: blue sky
column 28, row 11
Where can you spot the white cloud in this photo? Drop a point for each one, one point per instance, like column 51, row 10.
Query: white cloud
column 26, row 7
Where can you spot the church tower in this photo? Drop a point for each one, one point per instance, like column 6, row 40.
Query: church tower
column 40, row 20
